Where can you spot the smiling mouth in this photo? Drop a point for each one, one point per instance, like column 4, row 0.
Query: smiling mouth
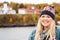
column 45, row 21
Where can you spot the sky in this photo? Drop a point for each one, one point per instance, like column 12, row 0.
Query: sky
column 32, row 1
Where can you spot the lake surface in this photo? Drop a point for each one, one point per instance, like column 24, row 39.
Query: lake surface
column 15, row 33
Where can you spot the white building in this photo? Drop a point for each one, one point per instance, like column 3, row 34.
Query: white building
column 58, row 22
column 11, row 11
column 22, row 11
column 5, row 9
column 1, row 10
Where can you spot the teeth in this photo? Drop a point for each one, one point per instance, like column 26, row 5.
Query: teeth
column 45, row 22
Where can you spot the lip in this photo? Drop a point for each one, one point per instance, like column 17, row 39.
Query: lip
column 45, row 21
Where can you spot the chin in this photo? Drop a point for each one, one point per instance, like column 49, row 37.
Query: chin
column 45, row 25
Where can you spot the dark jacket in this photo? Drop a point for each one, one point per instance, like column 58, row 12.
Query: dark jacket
column 32, row 35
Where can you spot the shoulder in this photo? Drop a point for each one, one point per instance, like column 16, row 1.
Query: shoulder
column 58, row 32
column 33, row 32
column 32, row 35
column 58, row 28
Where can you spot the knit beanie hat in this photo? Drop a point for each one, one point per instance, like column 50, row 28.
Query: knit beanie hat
column 49, row 10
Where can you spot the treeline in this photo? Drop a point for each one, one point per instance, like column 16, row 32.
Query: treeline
column 16, row 6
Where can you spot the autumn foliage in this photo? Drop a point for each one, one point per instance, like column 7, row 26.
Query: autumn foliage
column 24, row 19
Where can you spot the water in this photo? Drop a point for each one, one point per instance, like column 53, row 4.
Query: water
column 15, row 33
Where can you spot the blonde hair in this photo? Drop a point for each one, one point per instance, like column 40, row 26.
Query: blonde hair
column 50, row 32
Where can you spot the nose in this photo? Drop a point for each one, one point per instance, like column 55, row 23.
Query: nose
column 45, row 18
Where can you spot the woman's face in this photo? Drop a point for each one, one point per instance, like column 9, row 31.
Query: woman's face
column 45, row 20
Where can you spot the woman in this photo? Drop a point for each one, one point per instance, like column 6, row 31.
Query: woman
column 46, row 28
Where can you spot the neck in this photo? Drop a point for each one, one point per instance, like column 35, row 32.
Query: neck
column 45, row 28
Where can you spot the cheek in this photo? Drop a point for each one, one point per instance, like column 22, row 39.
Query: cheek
column 50, row 20
column 41, row 20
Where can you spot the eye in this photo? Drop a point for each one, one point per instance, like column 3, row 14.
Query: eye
column 48, row 17
column 42, row 16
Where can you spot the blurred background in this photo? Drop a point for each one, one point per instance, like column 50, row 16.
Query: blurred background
column 18, row 18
